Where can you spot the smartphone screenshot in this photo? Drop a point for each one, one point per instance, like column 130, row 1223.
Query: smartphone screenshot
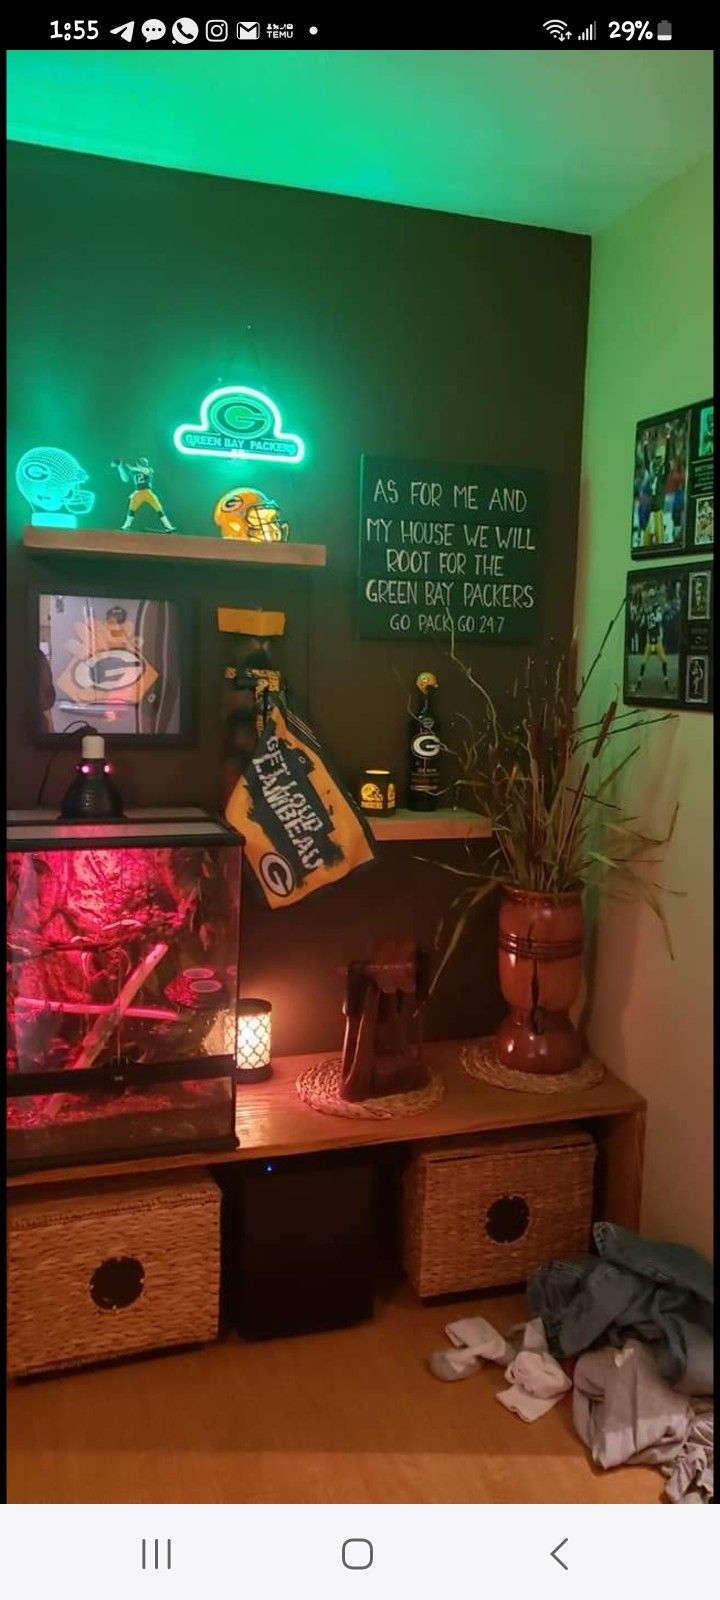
column 359, row 650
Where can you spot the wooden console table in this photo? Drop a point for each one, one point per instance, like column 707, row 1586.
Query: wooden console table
column 273, row 1121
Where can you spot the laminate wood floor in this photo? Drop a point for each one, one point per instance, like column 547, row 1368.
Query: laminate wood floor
column 346, row 1417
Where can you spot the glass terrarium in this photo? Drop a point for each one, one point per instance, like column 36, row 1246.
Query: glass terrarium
column 122, row 979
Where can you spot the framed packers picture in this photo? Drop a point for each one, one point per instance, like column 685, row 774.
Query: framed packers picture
column 674, row 484
column 118, row 663
column 668, row 637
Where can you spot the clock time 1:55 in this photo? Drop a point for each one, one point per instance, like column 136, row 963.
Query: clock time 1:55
column 73, row 30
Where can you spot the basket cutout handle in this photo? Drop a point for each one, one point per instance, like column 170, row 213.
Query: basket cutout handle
column 507, row 1218
column 117, row 1283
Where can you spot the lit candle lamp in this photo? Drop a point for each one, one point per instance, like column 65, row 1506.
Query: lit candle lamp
column 254, row 1019
column 377, row 792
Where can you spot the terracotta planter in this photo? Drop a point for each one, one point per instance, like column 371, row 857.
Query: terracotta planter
column 540, row 963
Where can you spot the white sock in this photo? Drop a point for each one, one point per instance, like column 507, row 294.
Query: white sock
column 537, row 1380
column 453, row 1364
column 527, row 1406
column 476, row 1341
column 533, row 1336
column 479, row 1336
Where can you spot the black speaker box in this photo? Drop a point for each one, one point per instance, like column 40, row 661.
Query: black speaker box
column 298, row 1244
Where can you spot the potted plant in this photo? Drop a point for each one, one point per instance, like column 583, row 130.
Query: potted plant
column 541, row 774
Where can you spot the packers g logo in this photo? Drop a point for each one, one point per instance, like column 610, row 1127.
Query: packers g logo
column 106, row 666
column 108, row 672
column 239, row 423
column 241, row 415
column 277, row 874
column 426, row 745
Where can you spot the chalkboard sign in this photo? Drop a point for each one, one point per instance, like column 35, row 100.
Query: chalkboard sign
column 448, row 548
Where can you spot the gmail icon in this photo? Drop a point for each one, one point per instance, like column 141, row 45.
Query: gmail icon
column 248, row 30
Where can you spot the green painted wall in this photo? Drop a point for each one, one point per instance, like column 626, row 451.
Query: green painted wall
column 377, row 328
column 650, row 349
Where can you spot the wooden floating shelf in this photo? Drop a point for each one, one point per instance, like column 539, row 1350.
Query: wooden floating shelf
column 172, row 547
column 441, row 824
column 272, row 1120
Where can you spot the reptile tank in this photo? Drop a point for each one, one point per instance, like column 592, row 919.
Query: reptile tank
column 122, row 981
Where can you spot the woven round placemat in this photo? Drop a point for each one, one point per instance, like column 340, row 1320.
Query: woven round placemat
column 480, row 1061
column 319, row 1087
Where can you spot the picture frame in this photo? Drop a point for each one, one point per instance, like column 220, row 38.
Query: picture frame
column 668, row 654
column 118, row 661
column 673, row 483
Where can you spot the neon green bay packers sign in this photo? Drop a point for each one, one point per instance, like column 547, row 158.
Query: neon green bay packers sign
column 240, row 424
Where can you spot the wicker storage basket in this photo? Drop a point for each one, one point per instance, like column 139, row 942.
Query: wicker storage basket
column 99, row 1273
column 481, row 1215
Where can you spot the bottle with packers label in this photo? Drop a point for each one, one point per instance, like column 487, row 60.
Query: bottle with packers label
column 424, row 785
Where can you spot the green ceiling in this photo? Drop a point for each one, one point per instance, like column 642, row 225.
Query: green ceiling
column 562, row 140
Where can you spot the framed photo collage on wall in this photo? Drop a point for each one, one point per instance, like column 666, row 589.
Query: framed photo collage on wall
column 669, row 609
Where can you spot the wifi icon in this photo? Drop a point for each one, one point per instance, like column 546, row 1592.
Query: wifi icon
column 559, row 30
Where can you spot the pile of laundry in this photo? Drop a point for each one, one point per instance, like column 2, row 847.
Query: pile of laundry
column 628, row 1330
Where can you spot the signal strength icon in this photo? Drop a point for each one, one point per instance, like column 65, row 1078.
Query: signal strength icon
column 558, row 29
column 589, row 33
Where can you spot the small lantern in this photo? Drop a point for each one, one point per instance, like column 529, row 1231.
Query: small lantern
column 254, row 1019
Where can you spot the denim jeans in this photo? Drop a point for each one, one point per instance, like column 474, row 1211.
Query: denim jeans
column 661, row 1294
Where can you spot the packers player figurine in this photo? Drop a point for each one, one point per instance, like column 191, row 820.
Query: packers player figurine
column 140, row 475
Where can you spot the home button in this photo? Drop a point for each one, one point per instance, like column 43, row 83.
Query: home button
column 357, row 1554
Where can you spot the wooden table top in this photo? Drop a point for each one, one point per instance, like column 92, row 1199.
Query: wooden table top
column 273, row 1121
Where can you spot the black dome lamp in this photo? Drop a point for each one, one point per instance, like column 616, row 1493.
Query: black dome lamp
column 93, row 796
